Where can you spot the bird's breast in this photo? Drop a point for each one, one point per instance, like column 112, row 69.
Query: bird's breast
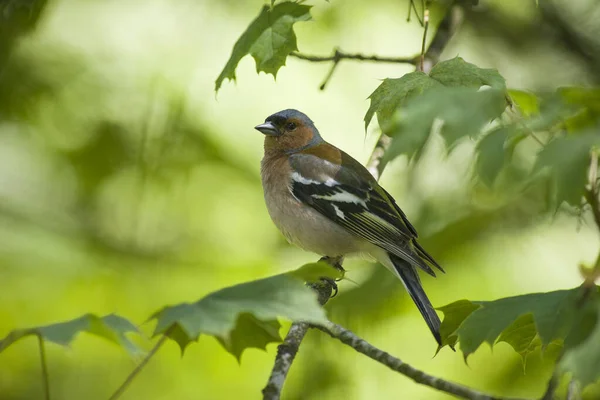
column 301, row 224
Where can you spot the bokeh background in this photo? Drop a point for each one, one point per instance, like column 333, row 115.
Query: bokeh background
column 127, row 184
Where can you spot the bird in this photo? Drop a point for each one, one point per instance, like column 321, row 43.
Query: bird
column 326, row 202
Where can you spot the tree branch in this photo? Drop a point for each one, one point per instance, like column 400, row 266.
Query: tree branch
column 339, row 55
column 286, row 351
column 350, row 339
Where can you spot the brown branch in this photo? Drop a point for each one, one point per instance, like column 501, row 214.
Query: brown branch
column 286, row 351
column 591, row 194
column 340, row 55
column 349, row 338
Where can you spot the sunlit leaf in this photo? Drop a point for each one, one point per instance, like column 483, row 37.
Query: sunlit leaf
column 460, row 111
column 522, row 336
column 314, row 271
column 454, row 315
column 527, row 102
column 392, row 93
column 245, row 315
column 519, row 321
column 111, row 327
column 269, row 39
column 567, row 159
column 459, row 73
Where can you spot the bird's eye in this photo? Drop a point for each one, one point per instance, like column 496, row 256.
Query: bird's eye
column 290, row 126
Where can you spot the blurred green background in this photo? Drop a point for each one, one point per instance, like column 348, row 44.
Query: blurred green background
column 126, row 184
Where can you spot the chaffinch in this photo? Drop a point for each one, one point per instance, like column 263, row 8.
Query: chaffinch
column 325, row 201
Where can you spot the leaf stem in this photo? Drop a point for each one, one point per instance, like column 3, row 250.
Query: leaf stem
column 45, row 376
column 139, row 368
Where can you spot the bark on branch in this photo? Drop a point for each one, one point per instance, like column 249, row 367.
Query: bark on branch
column 350, row 339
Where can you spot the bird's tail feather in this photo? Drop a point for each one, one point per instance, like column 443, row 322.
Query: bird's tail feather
column 411, row 281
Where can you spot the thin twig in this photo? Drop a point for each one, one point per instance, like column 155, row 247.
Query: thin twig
column 572, row 390
column 426, row 27
column 139, row 368
column 45, row 377
column 411, row 7
column 349, row 338
column 340, row 55
column 591, row 194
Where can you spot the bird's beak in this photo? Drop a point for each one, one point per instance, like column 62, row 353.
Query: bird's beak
column 268, row 129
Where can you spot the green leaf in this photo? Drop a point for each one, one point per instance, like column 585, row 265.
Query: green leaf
column 581, row 96
column 583, row 360
column 522, row 336
column 461, row 112
column 392, row 94
column 519, row 321
column 454, row 315
column 244, row 315
column 111, row 327
column 527, row 102
column 567, row 159
column 269, row 39
column 312, row 272
column 459, row 73
column 491, row 154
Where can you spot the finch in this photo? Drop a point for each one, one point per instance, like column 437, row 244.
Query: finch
column 325, row 201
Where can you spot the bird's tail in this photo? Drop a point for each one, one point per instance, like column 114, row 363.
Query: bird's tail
column 412, row 283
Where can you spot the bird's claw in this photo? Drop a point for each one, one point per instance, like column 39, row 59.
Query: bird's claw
column 333, row 284
column 335, row 262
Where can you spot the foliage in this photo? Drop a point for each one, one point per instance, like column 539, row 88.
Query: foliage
column 269, row 39
column 245, row 315
column 110, row 327
column 528, row 322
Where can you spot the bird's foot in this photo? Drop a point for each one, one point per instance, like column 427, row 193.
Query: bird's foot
column 335, row 262
column 333, row 284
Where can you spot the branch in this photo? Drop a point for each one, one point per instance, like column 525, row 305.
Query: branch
column 348, row 338
column 591, row 196
column 339, row 56
column 286, row 351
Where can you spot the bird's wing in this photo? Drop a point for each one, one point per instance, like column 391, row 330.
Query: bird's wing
column 341, row 189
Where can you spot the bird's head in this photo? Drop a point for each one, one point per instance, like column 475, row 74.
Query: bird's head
column 289, row 131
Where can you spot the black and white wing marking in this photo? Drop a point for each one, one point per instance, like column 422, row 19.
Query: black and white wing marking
column 362, row 208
